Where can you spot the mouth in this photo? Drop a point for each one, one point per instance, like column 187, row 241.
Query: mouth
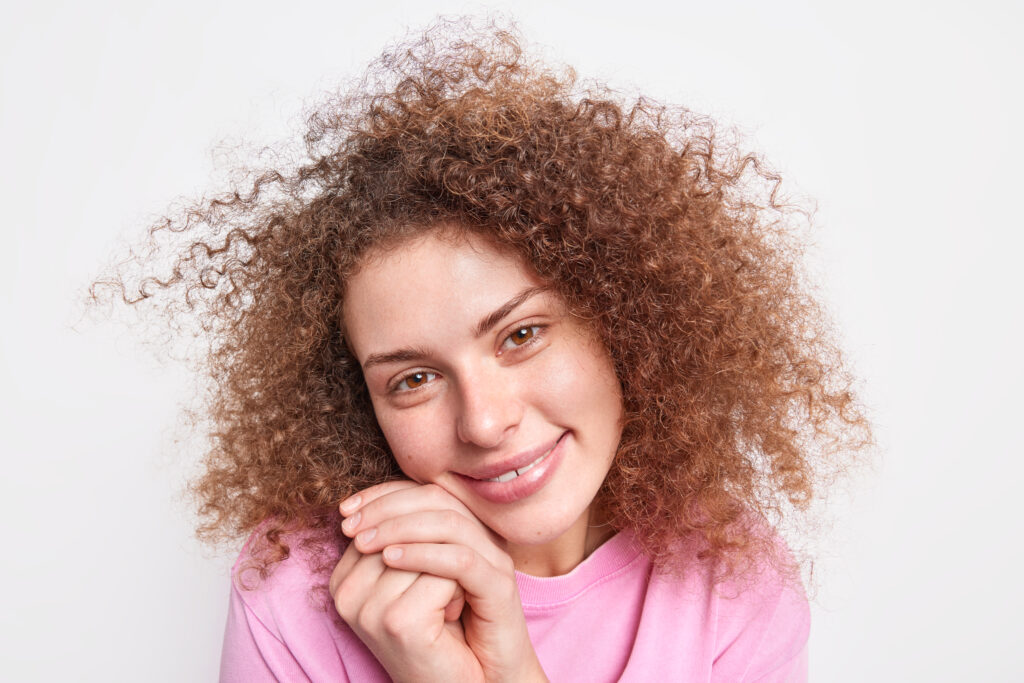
column 518, row 478
column 519, row 471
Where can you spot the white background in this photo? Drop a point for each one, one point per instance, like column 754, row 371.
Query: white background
column 903, row 119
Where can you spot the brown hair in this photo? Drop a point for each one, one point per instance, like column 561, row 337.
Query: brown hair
column 664, row 236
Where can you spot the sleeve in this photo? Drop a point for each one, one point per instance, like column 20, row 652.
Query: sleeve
column 278, row 631
column 765, row 633
column 251, row 652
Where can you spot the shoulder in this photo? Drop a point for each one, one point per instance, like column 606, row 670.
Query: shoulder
column 763, row 625
column 281, row 624
column 751, row 627
column 762, row 621
column 292, row 587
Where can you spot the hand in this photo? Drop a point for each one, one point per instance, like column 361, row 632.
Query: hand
column 416, row 551
column 394, row 612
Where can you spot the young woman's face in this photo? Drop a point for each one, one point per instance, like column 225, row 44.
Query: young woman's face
column 483, row 383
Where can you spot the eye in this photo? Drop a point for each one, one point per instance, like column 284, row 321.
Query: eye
column 415, row 380
column 521, row 336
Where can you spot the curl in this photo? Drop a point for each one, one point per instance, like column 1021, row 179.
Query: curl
column 657, row 229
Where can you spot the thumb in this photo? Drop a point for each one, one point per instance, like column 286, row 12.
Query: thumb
column 453, row 610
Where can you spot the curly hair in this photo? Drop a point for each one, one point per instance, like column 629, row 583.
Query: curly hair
column 657, row 230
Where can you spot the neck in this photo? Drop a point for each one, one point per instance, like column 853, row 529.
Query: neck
column 561, row 555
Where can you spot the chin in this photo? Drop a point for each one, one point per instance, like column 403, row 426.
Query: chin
column 532, row 535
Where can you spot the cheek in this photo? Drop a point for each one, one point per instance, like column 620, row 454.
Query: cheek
column 416, row 440
column 585, row 384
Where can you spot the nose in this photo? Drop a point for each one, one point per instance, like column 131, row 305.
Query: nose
column 490, row 408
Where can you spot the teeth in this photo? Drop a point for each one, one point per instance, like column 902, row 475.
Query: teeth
column 512, row 474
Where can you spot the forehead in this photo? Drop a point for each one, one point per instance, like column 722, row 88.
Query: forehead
column 403, row 295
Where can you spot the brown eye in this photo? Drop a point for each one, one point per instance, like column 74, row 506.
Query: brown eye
column 415, row 380
column 521, row 336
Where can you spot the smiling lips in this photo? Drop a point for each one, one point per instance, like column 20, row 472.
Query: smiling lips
column 512, row 474
column 507, row 483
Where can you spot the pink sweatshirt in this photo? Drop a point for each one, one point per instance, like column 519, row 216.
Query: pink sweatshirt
column 609, row 619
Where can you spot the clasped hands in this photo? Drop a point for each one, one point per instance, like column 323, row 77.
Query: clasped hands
column 429, row 589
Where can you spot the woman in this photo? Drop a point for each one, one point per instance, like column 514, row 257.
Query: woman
column 512, row 382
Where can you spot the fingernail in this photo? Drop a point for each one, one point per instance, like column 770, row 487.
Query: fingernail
column 349, row 505
column 365, row 537
column 392, row 553
column 350, row 524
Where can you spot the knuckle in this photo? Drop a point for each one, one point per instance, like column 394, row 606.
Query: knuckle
column 451, row 519
column 433, row 491
column 344, row 604
column 395, row 623
column 437, row 495
column 385, row 527
column 465, row 558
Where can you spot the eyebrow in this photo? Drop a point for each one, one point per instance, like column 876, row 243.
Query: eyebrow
column 400, row 356
column 485, row 325
column 492, row 319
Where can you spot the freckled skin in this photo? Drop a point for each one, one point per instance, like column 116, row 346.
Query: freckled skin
column 536, row 375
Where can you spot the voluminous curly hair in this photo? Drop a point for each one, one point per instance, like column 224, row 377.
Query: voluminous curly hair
column 660, row 233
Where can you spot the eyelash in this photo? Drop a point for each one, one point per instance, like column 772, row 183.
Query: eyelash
column 429, row 375
column 537, row 332
column 534, row 337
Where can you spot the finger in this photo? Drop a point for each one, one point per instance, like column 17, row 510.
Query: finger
column 353, row 588
column 417, row 609
column 382, row 595
column 453, row 610
column 403, row 501
column 431, row 526
column 484, row 583
column 351, row 504
column 344, row 566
